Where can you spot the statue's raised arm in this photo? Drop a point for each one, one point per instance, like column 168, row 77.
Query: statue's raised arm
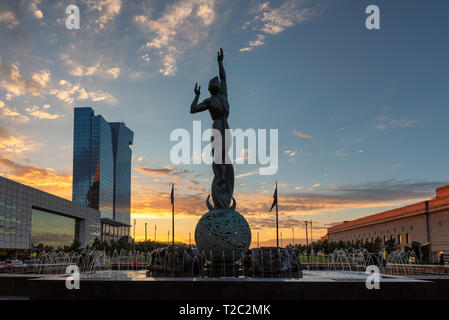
column 195, row 106
column 222, row 73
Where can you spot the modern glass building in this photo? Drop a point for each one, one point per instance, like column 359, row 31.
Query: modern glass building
column 30, row 217
column 122, row 137
column 102, row 170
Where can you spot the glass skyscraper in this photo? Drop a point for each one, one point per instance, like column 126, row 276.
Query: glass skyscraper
column 102, row 170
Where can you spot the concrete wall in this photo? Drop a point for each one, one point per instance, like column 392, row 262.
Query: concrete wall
column 15, row 215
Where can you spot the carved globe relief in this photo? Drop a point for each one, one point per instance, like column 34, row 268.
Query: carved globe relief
column 222, row 234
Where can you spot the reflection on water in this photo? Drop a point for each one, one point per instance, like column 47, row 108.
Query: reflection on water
column 309, row 276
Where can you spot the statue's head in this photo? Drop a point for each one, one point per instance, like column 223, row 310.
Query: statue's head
column 214, row 86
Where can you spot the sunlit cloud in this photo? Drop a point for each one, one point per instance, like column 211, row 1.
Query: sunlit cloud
column 15, row 84
column 15, row 145
column 42, row 112
column 163, row 172
column 68, row 92
column 103, row 11
column 97, row 69
column 43, row 179
column 9, row 19
column 301, row 134
column 11, row 114
column 182, row 25
column 271, row 21
column 33, row 6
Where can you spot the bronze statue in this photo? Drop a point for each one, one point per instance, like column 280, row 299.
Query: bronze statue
column 218, row 107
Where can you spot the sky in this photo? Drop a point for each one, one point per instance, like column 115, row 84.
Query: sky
column 362, row 114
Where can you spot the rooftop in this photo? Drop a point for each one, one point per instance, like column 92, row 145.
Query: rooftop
column 441, row 199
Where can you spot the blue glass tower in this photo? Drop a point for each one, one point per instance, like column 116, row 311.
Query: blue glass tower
column 122, row 138
column 102, row 170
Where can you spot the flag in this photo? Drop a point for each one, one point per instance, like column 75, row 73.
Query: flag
column 172, row 193
column 275, row 198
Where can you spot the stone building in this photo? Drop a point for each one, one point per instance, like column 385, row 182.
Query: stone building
column 424, row 223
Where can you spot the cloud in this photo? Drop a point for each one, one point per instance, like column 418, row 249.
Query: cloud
column 271, row 21
column 43, row 179
column 395, row 123
column 68, row 92
column 41, row 84
column 14, row 145
column 301, row 135
column 9, row 18
column 285, row 222
column 182, row 26
column 103, row 11
column 246, row 174
column 385, row 122
column 42, row 77
column 114, row 72
column 42, row 113
column 33, row 6
column 342, row 153
column 163, row 172
column 290, row 153
column 16, row 85
column 98, row 69
column 315, row 186
column 12, row 114
column 193, row 182
column 338, row 198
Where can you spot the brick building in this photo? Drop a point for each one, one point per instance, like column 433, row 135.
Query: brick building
column 425, row 223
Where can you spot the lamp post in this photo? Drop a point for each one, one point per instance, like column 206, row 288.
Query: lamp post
column 134, row 237
column 293, row 235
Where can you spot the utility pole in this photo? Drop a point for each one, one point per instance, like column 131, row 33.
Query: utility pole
column 168, row 237
column 307, row 242
column 134, row 235
column 258, row 244
column 155, row 227
column 190, row 240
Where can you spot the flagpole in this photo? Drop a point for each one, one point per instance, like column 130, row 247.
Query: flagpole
column 277, row 219
column 173, row 215
column 307, row 242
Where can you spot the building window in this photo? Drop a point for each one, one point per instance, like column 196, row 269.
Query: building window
column 440, row 223
column 399, row 238
column 408, row 238
column 411, row 228
column 52, row 230
column 385, row 239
